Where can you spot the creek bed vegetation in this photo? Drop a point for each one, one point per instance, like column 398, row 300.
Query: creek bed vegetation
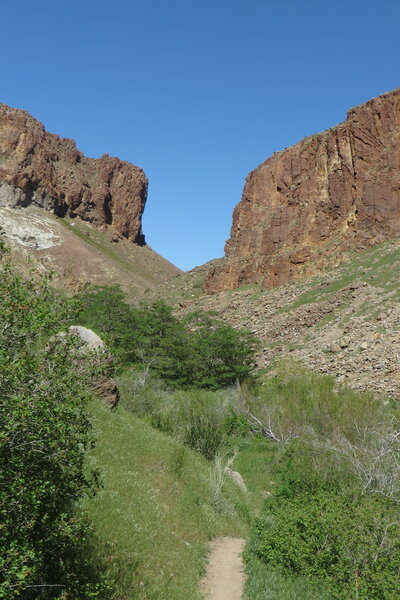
column 199, row 446
column 320, row 464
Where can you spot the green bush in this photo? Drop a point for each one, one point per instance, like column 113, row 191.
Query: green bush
column 320, row 525
column 296, row 401
column 349, row 542
column 197, row 352
column 204, row 436
column 44, row 433
column 198, row 418
column 333, row 518
column 195, row 417
column 236, row 425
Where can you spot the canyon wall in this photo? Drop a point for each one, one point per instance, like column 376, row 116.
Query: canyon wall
column 307, row 207
column 45, row 170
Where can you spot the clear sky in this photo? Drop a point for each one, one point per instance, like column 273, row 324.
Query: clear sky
column 197, row 92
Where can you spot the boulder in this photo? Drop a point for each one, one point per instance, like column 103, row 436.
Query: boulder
column 91, row 340
column 103, row 384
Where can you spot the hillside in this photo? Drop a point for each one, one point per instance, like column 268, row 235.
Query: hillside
column 157, row 509
column 162, row 503
column 78, row 253
column 345, row 322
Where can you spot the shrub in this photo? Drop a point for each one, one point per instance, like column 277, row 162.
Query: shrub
column 44, row 433
column 349, row 542
column 297, row 401
column 197, row 352
column 236, row 425
column 204, row 436
column 334, row 515
column 321, row 525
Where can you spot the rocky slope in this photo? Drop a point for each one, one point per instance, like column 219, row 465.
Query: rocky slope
column 344, row 322
column 42, row 169
column 307, row 206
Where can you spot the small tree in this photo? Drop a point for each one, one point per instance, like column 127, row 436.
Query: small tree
column 197, row 352
column 223, row 355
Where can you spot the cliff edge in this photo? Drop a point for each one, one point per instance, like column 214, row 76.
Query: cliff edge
column 307, row 207
column 42, row 169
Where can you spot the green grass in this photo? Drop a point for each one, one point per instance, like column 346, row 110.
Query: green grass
column 264, row 583
column 253, row 462
column 160, row 505
column 316, row 294
column 161, row 502
column 157, row 510
column 378, row 266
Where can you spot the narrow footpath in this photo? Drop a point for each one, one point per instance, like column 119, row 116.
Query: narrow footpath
column 224, row 579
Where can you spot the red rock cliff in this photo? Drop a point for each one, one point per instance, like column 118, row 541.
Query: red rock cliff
column 305, row 207
column 40, row 168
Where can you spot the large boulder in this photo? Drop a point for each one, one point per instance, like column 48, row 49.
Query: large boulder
column 103, row 384
column 89, row 338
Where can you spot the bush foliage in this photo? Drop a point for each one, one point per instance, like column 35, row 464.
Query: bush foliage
column 334, row 517
column 44, row 433
column 332, row 534
column 196, row 352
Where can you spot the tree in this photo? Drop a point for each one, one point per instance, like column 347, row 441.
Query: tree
column 103, row 309
column 196, row 352
column 223, row 355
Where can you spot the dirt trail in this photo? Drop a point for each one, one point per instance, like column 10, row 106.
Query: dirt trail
column 224, row 579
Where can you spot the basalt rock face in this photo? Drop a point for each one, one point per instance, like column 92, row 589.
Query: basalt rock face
column 309, row 205
column 43, row 169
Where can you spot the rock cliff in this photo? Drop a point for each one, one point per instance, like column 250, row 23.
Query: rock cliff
column 308, row 206
column 45, row 170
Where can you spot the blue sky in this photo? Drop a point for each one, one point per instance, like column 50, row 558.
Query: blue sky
column 196, row 92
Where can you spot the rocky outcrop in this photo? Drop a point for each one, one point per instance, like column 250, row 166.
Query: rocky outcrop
column 306, row 207
column 43, row 169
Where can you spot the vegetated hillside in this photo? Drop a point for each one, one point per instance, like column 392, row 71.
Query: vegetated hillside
column 78, row 253
column 305, row 466
column 306, row 207
column 302, row 466
column 158, row 508
column 345, row 322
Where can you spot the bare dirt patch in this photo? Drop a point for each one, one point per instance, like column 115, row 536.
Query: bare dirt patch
column 78, row 253
column 224, row 579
